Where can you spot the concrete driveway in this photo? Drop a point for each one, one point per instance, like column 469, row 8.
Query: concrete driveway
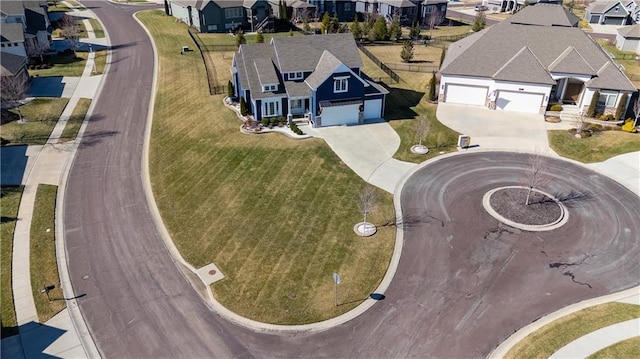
column 368, row 150
column 497, row 130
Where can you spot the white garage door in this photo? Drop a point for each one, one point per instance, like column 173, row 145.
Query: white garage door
column 519, row 102
column 468, row 95
column 372, row 109
column 340, row 115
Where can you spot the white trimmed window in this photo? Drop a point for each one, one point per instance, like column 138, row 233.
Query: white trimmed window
column 268, row 88
column 340, row 84
column 607, row 99
column 295, row 75
column 233, row 12
column 271, row 108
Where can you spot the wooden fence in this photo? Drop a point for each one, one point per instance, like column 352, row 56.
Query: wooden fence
column 394, row 76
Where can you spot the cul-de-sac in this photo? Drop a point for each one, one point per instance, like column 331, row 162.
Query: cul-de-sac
column 320, row 178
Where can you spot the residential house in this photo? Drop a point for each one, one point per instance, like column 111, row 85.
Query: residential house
column 344, row 9
column 538, row 65
column 433, row 8
column 296, row 9
column 628, row 38
column 12, row 65
column 315, row 76
column 221, row 15
column 34, row 19
column 408, row 11
column 515, row 5
column 12, row 39
column 617, row 12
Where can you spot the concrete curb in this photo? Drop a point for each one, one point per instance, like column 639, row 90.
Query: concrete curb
column 77, row 318
column 502, row 349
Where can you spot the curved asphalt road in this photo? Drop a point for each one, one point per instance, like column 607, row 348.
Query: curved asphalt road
column 463, row 283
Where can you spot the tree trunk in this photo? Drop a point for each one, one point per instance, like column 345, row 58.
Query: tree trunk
column 528, row 195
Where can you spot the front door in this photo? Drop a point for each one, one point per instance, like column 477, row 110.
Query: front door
column 572, row 92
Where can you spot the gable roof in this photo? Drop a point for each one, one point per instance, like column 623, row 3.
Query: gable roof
column 524, row 67
column 12, row 33
column 610, row 77
column 571, row 62
column 544, row 15
column 302, row 53
column 480, row 57
column 630, row 32
column 11, row 8
column 600, row 7
column 265, row 71
column 11, row 64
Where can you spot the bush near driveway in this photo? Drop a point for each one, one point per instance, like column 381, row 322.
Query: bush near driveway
column 274, row 214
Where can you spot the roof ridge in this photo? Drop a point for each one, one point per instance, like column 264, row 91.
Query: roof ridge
column 565, row 54
column 524, row 48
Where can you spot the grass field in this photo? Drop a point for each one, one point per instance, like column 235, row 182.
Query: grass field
column 275, row 214
column 75, row 121
column 211, row 39
column 629, row 348
column 41, row 116
column 98, row 31
column 70, row 65
column 9, row 203
column 597, row 148
column 44, row 268
column 548, row 339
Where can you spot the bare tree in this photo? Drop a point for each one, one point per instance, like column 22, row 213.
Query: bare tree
column 435, row 17
column 422, row 127
column 367, row 199
column 13, row 91
column 581, row 123
column 35, row 49
column 70, row 31
column 534, row 173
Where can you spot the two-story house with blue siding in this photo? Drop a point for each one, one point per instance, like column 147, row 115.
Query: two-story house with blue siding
column 220, row 15
column 315, row 76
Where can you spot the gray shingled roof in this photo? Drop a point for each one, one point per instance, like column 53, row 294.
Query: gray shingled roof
column 571, row 62
column 544, row 15
column 297, row 89
column 265, row 71
column 611, row 78
column 247, row 68
column 398, row 3
column 599, row 7
column 11, row 7
column 484, row 53
column 11, row 64
column 327, row 64
column 630, row 32
column 11, row 33
column 524, row 67
column 301, row 53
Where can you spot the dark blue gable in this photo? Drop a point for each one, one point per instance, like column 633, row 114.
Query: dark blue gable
column 325, row 92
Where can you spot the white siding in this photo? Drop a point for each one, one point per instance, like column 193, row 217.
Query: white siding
column 180, row 12
column 340, row 115
column 519, row 101
column 372, row 109
column 466, row 94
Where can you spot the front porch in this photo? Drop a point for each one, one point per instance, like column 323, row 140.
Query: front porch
column 567, row 91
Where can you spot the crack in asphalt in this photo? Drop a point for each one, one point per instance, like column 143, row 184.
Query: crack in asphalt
column 570, row 274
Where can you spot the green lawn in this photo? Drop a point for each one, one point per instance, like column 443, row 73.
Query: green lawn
column 44, row 268
column 9, row 203
column 75, row 121
column 629, row 348
column 548, row 339
column 63, row 65
column 212, row 39
column 275, row 214
column 630, row 64
column 97, row 28
column 597, row 148
column 41, row 116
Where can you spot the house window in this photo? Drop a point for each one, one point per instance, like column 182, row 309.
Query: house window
column 212, row 27
column 233, row 12
column 340, row 84
column 347, row 7
column 271, row 108
column 269, row 88
column 607, row 99
column 296, row 104
column 295, row 75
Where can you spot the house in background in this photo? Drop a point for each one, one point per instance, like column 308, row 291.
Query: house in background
column 408, row 11
column 12, row 39
column 221, row 15
column 540, row 64
column 345, row 9
column 617, row 12
column 33, row 17
column 315, row 76
column 515, row 5
column 628, row 38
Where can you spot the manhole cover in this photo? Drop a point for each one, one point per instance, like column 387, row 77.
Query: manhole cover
column 212, row 272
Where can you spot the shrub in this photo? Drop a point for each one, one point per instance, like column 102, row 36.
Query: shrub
column 294, row 128
column 621, row 107
column 606, row 117
column 432, row 87
column 273, row 120
column 230, row 89
column 628, row 126
column 243, row 107
column 556, row 108
column 282, row 119
column 407, row 51
column 591, row 111
column 594, row 127
column 264, row 121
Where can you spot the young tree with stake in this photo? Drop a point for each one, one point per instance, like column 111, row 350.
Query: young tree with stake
column 367, row 199
column 534, row 173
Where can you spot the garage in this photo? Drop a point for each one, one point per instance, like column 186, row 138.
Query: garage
column 372, row 109
column 339, row 113
column 519, row 101
column 465, row 94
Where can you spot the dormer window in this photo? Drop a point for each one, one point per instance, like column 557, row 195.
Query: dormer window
column 340, row 84
column 296, row 75
column 268, row 88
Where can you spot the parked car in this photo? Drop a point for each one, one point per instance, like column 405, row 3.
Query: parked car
column 481, row 8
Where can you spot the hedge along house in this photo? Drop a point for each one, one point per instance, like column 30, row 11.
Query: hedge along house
column 220, row 15
column 315, row 76
column 530, row 60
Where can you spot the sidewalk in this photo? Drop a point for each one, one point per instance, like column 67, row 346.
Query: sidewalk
column 46, row 165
